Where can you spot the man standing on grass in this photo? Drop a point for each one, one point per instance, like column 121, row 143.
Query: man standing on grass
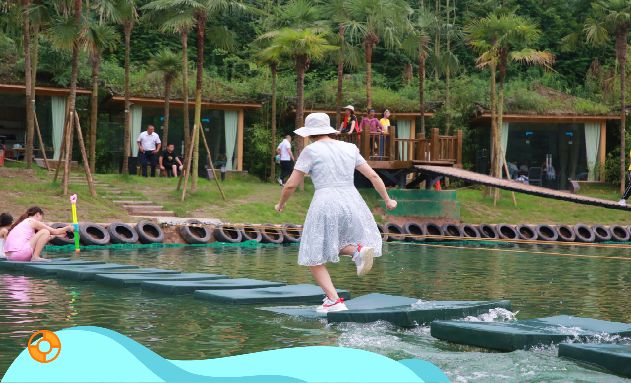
column 286, row 159
column 149, row 145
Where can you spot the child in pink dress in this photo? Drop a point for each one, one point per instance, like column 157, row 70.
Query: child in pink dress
column 28, row 236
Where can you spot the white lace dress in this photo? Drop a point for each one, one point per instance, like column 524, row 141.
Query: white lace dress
column 337, row 216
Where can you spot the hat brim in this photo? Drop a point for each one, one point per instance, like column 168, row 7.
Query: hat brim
column 306, row 132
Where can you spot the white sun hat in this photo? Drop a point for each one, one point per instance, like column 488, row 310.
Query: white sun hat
column 316, row 124
column 351, row 107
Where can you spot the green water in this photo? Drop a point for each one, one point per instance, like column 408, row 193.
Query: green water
column 184, row 328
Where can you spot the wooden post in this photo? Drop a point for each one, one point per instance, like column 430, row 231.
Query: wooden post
column 365, row 144
column 240, row 127
column 602, row 150
column 68, row 157
column 459, row 149
column 189, row 160
column 393, row 135
column 212, row 166
column 411, row 151
column 41, row 141
column 435, row 145
column 84, row 155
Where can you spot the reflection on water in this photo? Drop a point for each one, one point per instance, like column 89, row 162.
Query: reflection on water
column 185, row 328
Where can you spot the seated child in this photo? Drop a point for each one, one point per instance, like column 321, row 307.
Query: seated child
column 5, row 222
column 28, row 236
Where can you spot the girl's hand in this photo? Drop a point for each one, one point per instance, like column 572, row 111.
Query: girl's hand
column 391, row 204
column 279, row 208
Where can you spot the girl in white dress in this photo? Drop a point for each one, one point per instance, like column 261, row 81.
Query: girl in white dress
column 338, row 220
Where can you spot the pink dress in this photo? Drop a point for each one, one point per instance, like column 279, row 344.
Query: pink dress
column 17, row 246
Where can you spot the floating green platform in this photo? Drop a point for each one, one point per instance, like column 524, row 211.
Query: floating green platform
column 184, row 287
column 524, row 334
column 298, row 294
column 133, row 279
column 14, row 265
column 615, row 358
column 46, row 269
column 88, row 273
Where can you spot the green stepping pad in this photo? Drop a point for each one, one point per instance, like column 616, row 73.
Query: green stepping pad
column 283, row 294
column 523, row 334
column 90, row 272
column 57, row 269
column 184, row 287
column 14, row 265
column 615, row 358
column 400, row 311
column 133, row 279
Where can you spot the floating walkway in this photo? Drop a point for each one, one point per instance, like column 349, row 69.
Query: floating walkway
column 612, row 357
column 518, row 186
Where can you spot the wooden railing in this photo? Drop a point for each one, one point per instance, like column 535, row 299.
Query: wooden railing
column 437, row 149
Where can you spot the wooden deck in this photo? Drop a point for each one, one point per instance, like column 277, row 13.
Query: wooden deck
column 518, row 186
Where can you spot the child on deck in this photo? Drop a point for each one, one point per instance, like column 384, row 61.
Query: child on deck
column 338, row 220
column 5, row 222
column 28, row 236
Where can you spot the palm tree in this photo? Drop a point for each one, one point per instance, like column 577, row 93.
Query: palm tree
column 613, row 17
column 372, row 21
column 28, row 82
column 303, row 46
column 272, row 58
column 98, row 38
column 500, row 39
column 166, row 64
column 124, row 12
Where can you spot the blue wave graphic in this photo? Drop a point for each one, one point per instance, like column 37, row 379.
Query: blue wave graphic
column 95, row 354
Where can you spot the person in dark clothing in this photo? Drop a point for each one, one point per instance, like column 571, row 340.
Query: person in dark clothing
column 170, row 161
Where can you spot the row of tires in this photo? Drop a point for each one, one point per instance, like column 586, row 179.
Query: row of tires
column 193, row 232
column 414, row 232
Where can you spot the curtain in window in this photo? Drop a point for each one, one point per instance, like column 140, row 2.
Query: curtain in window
column 136, row 126
column 403, row 131
column 58, row 115
column 592, row 141
column 230, row 123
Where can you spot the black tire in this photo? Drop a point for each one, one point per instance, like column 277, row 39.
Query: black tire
column 382, row 230
column 488, row 231
column 228, row 233
column 506, row 231
column 527, row 232
column 431, row 228
column 62, row 241
column 453, row 230
column 546, row 233
column 414, row 232
column 470, row 231
column 291, row 233
column 395, row 232
column 149, row 232
column 619, row 233
column 584, row 233
column 271, row 234
column 197, row 234
column 251, row 233
column 566, row 233
column 122, row 233
column 91, row 234
column 602, row 233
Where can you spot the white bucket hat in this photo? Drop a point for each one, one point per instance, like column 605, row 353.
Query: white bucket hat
column 316, row 124
column 351, row 107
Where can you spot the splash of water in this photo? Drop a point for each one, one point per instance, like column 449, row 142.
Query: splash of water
column 494, row 315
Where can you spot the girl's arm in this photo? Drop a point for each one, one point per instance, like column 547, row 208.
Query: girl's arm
column 37, row 225
column 296, row 178
column 378, row 184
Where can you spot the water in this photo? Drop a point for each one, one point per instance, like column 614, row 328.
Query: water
column 184, row 328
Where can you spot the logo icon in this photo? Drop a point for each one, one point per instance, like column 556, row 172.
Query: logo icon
column 44, row 346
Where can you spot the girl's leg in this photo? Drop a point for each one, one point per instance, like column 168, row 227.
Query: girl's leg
column 39, row 240
column 348, row 250
column 323, row 279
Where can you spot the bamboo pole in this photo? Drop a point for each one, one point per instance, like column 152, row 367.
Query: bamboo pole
column 212, row 167
column 62, row 150
column 41, row 142
column 86, row 164
column 188, row 161
column 68, row 154
column 497, row 190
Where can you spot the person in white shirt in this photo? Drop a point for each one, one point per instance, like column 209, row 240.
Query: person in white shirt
column 286, row 159
column 149, row 145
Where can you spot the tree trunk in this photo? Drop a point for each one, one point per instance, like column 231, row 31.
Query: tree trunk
column 185, row 121
column 273, row 163
column 28, row 73
column 340, row 78
column 201, row 32
column 437, row 41
column 621, row 50
column 368, row 47
column 301, row 63
column 167, row 98
column 94, row 109
column 127, row 134
column 502, row 66
column 34, row 63
column 72, row 97
column 494, row 135
column 421, row 87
